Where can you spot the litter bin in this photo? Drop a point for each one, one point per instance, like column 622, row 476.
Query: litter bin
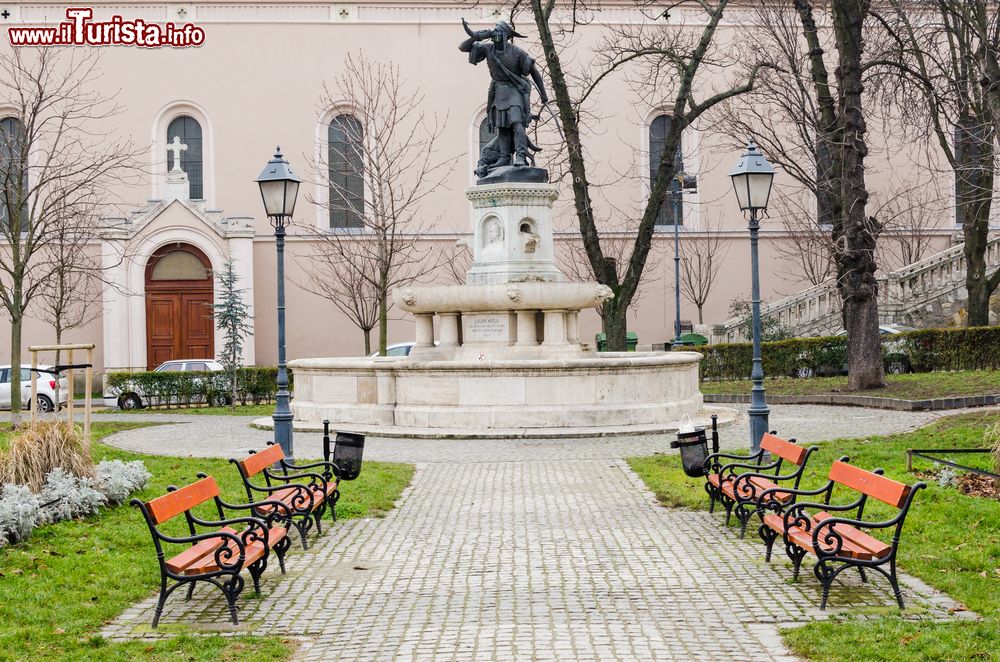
column 631, row 340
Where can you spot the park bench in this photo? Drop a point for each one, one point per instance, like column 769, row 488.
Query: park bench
column 305, row 502
column 738, row 486
column 217, row 556
column 838, row 541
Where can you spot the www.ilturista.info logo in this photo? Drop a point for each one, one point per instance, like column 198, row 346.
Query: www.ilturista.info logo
column 80, row 30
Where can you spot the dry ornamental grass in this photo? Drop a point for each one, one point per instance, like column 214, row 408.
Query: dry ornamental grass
column 39, row 448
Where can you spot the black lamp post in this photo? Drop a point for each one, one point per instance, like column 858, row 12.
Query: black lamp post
column 279, row 187
column 690, row 183
column 752, row 178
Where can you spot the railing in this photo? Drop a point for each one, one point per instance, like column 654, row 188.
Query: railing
column 816, row 310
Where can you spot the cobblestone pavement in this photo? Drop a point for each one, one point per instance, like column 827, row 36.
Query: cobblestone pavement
column 232, row 436
column 561, row 555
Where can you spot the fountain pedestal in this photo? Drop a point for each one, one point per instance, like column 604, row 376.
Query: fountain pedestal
column 501, row 355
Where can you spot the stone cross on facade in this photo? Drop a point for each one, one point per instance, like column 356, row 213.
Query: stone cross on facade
column 176, row 148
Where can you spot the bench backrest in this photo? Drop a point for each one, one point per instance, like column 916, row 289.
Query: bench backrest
column 884, row 489
column 786, row 450
column 261, row 460
column 174, row 503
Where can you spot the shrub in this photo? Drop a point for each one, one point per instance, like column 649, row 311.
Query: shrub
column 66, row 496
column 20, row 512
column 117, row 479
column 928, row 350
column 40, row 447
column 254, row 385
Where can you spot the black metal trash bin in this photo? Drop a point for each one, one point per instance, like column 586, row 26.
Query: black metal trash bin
column 694, row 451
column 348, row 451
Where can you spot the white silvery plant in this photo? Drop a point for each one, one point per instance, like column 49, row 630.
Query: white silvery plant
column 20, row 512
column 117, row 479
column 66, row 496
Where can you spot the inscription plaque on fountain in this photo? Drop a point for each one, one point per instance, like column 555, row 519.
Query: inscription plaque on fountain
column 486, row 327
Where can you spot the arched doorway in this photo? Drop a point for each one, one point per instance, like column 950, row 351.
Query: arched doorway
column 178, row 305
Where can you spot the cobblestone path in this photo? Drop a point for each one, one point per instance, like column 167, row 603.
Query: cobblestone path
column 560, row 555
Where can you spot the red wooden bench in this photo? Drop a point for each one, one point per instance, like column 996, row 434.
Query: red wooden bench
column 305, row 502
column 738, row 486
column 838, row 542
column 217, row 556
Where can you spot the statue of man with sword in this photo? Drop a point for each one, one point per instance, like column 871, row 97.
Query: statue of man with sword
column 509, row 106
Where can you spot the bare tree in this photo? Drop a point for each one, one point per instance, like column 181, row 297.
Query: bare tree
column 341, row 272
column 702, row 255
column 942, row 64
column 57, row 163
column 908, row 218
column 668, row 65
column 807, row 249
column 390, row 146
column 70, row 298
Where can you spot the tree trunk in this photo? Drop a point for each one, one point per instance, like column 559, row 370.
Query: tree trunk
column 975, row 195
column 368, row 341
column 855, row 232
column 701, row 319
column 15, row 373
column 383, row 313
column 55, row 405
column 616, row 327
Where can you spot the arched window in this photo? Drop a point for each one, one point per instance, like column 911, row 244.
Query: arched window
column 485, row 135
column 672, row 209
column 13, row 171
column 188, row 130
column 346, row 172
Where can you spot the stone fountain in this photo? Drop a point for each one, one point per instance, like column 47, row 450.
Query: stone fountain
column 500, row 356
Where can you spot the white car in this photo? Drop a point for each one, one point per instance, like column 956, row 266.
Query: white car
column 399, row 349
column 136, row 400
column 46, row 388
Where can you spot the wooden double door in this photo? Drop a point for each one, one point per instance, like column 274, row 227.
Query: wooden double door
column 179, row 298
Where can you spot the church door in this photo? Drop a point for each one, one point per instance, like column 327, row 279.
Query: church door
column 179, row 301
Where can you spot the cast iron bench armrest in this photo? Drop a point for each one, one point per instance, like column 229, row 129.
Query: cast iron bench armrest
column 258, row 504
column 730, row 456
column 306, row 493
column 798, row 509
column 290, row 477
column 334, row 469
column 731, row 468
column 771, row 477
column 180, row 540
column 775, row 505
column 251, row 522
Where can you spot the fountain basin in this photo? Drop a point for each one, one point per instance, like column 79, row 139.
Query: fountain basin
column 641, row 392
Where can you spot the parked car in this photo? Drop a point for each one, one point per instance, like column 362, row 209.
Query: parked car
column 399, row 349
column 46, row 388
column 135, row 399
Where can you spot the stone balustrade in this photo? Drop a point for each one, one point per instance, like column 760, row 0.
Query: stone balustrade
column 925, row 293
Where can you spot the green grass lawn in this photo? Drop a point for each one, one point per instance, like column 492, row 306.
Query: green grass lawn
column 200, row 410
column 914, row 386
column 61, row 585
column 951, row 541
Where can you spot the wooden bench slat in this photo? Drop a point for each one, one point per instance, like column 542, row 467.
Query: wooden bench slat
column 786, row 450
column 174, row 503
column 854, row 539
column 884, row 489
column 261, row 460
column 759, row 483
column 207, row 563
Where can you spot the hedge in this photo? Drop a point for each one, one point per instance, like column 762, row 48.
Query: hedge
column 928, row 350
column 254, row 385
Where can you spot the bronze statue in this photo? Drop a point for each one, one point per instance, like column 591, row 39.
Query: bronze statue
column 508, row 109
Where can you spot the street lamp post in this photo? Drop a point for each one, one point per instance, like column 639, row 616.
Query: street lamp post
column 279, row 187
column 684, row 181
column 752, row 178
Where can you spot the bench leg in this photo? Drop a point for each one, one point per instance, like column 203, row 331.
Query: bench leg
column 826, row 574
column 160, row 601
column 280, row 550
column 256, row 570
column 711, row 497
column 743, row 516
column 796, row 554
column 768, row 535
column 894, row 581
column 864, row 576
column 728, row 505
column 232, row 590
column 318, row 517
column 334, row 498
column 190, row 591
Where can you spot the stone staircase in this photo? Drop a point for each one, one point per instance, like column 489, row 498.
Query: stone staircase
column 924, row 294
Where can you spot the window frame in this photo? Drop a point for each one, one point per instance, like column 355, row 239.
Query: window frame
column 358, row 197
